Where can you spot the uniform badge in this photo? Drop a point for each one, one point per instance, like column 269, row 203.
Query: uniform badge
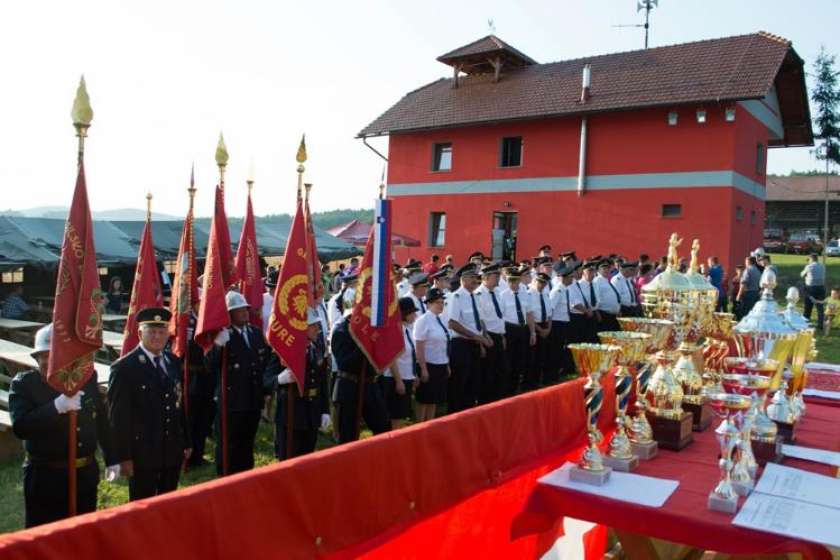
column 142, row 358
column 178, row 394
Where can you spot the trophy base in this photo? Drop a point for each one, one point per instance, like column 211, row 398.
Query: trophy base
column 672, row 433
column 622, row 465
column 787, row 431
column 767, row 452
column 703, row 415
column 743, row 488
column 595, row 478
column 645, row 451
column 716, row 503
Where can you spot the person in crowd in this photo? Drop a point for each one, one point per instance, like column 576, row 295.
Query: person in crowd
column 716, row 276
column 493, row 371
column 832, row 311
column 270, row 283
column 339, row 274
column 149, row 426
column 432, row 341
column 14, row 306
column 585, row 314
column 412, row 267
column 354, row 266
column 748, row 288
column 432, row 266
column 310, row 409
column 646, row 275
column 520, row 334
column 661, row 266
column 245, row 353
column 397, row 382
column 343, row 299
column 418, row 284
column 814, row 277
column 114, row 297
column 623, row 283
column 539, row 366
column 768, row 272
column 326, row 278
column 734, row 286
column 608, row 301
column 559, row 356
column 39, row 418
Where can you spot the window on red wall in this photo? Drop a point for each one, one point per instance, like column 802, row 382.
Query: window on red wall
column 442, row 156
column 753, row 217
column 739, row 213
column 511, row 152
column 437, row 229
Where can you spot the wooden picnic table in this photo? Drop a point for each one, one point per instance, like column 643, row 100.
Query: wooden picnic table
column 18, row 357
column 17, row 324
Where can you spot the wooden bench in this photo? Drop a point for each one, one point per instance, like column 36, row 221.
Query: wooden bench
column 22, row 332
column 16, row 357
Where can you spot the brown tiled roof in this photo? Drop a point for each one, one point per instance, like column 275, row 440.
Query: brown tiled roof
column 732, row 68
column 485, row 45
column 801, row 188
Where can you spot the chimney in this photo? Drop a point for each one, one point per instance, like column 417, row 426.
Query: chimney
column 587, row 78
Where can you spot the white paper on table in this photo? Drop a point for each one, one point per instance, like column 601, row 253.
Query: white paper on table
column 626, row 487
column 834, row 368
column 812, row 454
column 834, row 395
column 791, row 518
column 796, row 484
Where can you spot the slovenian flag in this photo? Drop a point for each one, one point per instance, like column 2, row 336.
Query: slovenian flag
column 381, row 263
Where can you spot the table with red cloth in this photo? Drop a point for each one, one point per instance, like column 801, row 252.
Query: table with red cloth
column 685, row 517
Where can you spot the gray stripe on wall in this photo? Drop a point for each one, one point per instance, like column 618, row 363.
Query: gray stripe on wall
column 765, row 116
column 687, row 180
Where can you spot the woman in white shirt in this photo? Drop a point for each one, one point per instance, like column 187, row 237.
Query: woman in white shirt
column 431, row 338
column 398, row 380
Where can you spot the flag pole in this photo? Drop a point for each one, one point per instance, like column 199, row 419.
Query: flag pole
column 186, row 391
column 221, row 162
column 82, row 116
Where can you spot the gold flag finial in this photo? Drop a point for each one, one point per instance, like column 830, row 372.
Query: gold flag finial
column 191, row 188
column 82, row 112
column 301, row 153
column 221, row 151
column 148, row 206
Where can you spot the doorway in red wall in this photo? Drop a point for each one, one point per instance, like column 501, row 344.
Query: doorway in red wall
column 503, row 236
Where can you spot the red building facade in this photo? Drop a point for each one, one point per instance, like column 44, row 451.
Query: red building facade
column 506, row 161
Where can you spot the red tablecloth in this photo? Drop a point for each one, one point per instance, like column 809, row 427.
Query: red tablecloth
column 685, row 518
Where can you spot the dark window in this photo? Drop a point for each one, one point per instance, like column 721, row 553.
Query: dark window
column 671, row 210
column 437, row 229
column 442, row 157
column 511, row 155
column 752, row 217
column 759, row 158
column 739, row 213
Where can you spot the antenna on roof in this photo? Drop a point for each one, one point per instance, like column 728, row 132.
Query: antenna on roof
column 491, row 26
column 647, row 6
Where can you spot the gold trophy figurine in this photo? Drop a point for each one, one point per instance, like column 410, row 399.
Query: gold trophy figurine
column 592, row 360
column 724, row 497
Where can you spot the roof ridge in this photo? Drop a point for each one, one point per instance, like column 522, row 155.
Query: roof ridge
column 449, row 52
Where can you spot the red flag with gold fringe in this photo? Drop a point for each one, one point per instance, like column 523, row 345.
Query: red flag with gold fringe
column 230, row 275
column 212, row 311
column 184, row 290
column 248, row 268
column 145, row 292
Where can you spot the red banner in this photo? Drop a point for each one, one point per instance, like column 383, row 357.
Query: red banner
column 77, row 314
column 230, row 275
column 145, row 292
column 248, row 268
column 380, row 344
column 184, row 290
column 212, row 311
column 287, row 324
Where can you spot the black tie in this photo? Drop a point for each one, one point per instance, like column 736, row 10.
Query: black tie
column 445, row 331
column 411, row 343
column 542, row 307
column 475, row 313
column 585, row 301
column 422, row 307
column 592, row 294
column 568, row 307
column 632, row 291
column 496, row 304
column 519, row 315
column 160, row 366
column 617, row 297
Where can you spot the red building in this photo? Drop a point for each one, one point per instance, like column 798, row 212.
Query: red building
column 602, row 154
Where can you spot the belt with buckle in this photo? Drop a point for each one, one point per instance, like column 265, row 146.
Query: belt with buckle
column 348, row 376
column 80, row 462
column 310, row 393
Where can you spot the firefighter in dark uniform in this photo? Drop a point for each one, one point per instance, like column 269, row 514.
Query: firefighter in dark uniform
column 352, row 363
column 311, row 410
column 39, row 418
column 247, row 354
column 148, row 424
column 202, row 406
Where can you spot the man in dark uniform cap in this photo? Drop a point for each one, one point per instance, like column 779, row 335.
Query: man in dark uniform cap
column 149, row 427
column 559, row 356
column 39, row 418
column 545, row 251
column 476, row 258
column 352, row 363
column 310, row 410
column 419, row 283
column 247, row 355
column 539, row 364
column 493, row 371
column 583, row 313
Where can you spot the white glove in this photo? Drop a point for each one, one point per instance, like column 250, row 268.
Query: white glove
column 222, row 338
column 325, row 422
column 64, row 404
column 285, row 377
column 112, row 473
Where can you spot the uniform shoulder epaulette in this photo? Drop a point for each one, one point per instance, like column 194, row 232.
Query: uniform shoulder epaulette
column 456, row 294
column 21, row 376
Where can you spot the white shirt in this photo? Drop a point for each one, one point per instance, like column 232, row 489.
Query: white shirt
column 507, row 300
column 267, row 308
column 768, row 277
column 626, row 291
column 537, row 295
column 492, row 322
column 429, row 331
column 460, row 310
column 606, row 295
column 403, row 287
column 560, row 302
column 334, row 310
column 579, row 295
column 321, row 309
column 421, row 307
column 405, row 361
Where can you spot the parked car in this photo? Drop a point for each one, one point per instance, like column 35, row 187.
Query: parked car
column 774, row 241
column 833, row 248
column 803, row 243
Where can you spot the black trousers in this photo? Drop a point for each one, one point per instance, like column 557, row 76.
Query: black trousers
column 465, row 363
column 814, row 293
column 538, row 363
column 241, row 434
column 45, row 492
column 560, row 359
column 518, row 350
column 303, row 441
column 152, row 482
column 202, row 410
column 493, row 372
column 609, row 322
column 374, row 408
column 746, row 304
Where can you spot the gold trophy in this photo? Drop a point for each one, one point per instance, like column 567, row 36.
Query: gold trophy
column 633, row 346
column 724, row 497
column 660, row 331
column 716, row 350
column 592, row 360
column 803, row 350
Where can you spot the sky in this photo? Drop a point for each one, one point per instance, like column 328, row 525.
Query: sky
column 165, row 77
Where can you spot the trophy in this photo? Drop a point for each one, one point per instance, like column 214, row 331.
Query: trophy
column 660, row 330
column 754, row 387
column 724, row 497
column 633, row 345
column 803, row 350
column 716, row 350
column 592, row 360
